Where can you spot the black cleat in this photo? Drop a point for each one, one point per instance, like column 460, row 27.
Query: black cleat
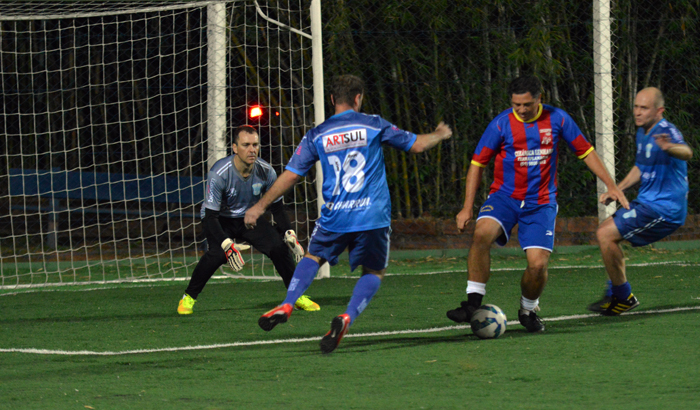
column 618, row 306
column 339, row 327
column 462, row 314
column 270, row 319
column 601, row 305
column 530, row 321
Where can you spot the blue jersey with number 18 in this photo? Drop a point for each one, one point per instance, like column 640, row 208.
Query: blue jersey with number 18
column 349, row 147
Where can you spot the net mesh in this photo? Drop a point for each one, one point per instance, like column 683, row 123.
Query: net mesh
column 104, row 129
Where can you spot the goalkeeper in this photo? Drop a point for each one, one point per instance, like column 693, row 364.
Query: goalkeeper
column 234, row 184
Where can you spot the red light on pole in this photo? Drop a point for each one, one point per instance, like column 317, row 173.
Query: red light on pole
column 256, row 112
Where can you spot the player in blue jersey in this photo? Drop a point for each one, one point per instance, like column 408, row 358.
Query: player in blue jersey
column 525, row 141
column 357, row 210
column 661, row 204
column 234, row 184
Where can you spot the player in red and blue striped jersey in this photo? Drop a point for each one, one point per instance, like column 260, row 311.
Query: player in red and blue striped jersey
column 524, row 140
column 526, row 152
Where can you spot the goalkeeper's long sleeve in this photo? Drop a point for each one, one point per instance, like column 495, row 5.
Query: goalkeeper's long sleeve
column 212, row 225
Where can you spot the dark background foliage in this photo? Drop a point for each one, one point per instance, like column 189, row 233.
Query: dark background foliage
column 127, row 93
column 452, row 61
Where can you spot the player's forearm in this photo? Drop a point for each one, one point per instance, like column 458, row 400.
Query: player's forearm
column 211, row 224
column 425, row 142
column 680, row 151
column 596, row 166
column 282, row 185
column 473, row 181
column 630, row 179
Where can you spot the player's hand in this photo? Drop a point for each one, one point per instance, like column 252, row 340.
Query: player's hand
column 614, row 194
column 663, row 141
column 233, row 254
column 443, row 131
column 605, row 199
column 290, row 238
column 463, row 218
column 252, row 215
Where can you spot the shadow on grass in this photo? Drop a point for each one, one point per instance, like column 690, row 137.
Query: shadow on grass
column 554, row 328
column 324, row 302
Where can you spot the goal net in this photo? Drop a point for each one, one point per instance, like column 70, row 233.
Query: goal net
column 112, row 114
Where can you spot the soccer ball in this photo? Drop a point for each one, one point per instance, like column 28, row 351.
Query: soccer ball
column 489, row 322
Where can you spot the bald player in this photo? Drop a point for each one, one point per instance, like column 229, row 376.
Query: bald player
column 661, row 205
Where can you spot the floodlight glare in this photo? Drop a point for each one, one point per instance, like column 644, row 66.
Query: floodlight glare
column 256, row 111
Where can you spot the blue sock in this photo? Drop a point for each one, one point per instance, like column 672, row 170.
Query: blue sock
column 622, row 291
column 608, row 289
column 365, row 288
column 304, row 274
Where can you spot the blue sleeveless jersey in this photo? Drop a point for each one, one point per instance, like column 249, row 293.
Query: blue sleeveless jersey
column 349, row 147
column 664, row 179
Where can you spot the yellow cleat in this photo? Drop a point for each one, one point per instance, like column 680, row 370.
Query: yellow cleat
column 304, row 303
column 185, row 305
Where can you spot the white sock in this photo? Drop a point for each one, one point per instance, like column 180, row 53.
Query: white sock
column 529, row 304
column 476, row 287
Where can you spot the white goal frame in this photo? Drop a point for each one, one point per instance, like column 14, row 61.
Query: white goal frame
column 40, row 258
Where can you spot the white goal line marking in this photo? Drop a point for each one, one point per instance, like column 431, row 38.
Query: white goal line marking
column 140, row 283
column 311, row 339
column 550, row 267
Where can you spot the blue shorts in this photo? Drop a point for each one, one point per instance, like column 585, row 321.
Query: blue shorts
column 536, row 221
column 641, row 225
column 367, row 248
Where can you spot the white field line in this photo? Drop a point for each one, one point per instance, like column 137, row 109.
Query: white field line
column 140, row 283
column 311, row 339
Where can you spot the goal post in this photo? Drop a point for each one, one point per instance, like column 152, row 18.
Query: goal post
column 216, row 82
column 113, row 112
column 319, row 99
column 604, row 97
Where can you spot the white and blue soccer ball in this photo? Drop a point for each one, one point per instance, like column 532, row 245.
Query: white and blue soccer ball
column 489, row 322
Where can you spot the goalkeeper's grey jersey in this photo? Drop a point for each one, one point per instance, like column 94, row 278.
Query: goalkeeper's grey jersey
column 231, row 194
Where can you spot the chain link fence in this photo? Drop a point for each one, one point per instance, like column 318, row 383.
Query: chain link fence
column 126, row 93
column 452, row 60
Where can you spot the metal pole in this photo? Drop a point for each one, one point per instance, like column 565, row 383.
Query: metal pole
column 319, row 112
column 216, row 82
column 604, row 125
